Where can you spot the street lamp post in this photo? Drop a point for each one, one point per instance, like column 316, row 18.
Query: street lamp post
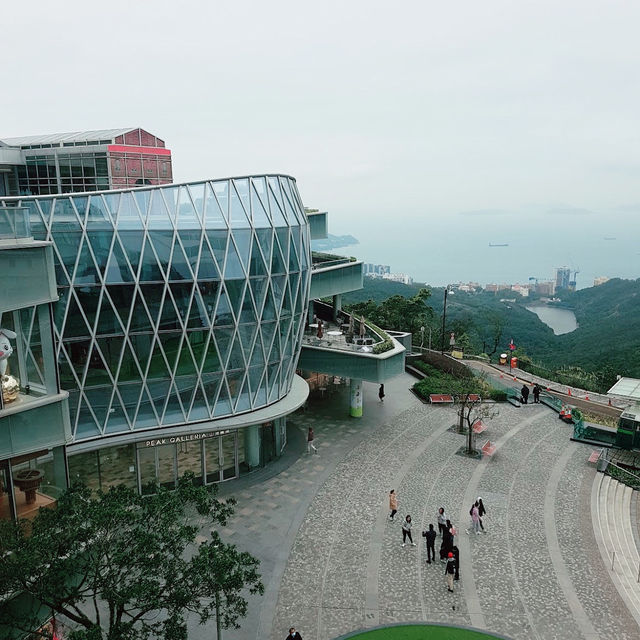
column 444, row 316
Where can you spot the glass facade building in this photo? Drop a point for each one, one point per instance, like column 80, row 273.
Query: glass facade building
column 179, row 305
column 85, row 161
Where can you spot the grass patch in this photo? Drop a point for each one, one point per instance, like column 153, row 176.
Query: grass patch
column 421, row 632
column 438, row 381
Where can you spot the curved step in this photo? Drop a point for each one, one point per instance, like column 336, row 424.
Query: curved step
column 611, row 501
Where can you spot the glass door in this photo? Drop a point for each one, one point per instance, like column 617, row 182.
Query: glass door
column 228, row 456
column 167, row 465
column 147, row 470
column 190, row 459
column 212, row 459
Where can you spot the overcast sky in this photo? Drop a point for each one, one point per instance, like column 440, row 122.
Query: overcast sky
column 381, row 110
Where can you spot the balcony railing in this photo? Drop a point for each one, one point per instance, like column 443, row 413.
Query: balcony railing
column 324, row 260
column 337, row 335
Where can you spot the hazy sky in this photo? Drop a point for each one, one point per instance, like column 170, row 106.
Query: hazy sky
column 383, row 111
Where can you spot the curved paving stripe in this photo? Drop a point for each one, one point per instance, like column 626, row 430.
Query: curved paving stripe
column 382, row 448
column 469, row 585
column 562, row 576
column 375, row 546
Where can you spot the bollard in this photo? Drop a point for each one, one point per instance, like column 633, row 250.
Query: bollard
column 638, row 580
column 613, row 559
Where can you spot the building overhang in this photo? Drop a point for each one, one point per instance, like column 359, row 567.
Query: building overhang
column 296, row 397
column 370, row 367
column 335, row 279
column 318, row 225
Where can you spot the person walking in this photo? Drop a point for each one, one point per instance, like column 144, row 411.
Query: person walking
column 453, row 532
column 393, row 503
column 293, row 635
column 406, row 532
column 381, row 393
column 450, row 570
column 310, row 439
column 442, row 520
column 475, row 519
column 536, row 393
column 481, row 512
column 524, row 392
column 430, row 539
column 447, row 544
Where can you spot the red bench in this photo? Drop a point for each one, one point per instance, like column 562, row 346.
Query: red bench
column 479, row 426
column 595, row 455
column 474, row 397
column 440, row 398
column 488, row 448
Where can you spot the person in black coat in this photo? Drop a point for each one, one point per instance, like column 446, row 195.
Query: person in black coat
column 524, row 392
column 430, row 539
column 536, row 393
column 447, row 544
column 293, row 635
column 481, row 511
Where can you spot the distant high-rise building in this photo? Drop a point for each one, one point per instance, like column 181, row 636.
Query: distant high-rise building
column 600, row 280
column 371, row 269
column 545, row 288
column 563, row 277
column 83, row 161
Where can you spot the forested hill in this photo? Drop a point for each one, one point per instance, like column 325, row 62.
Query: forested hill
column 609, row 326
column 608, row 317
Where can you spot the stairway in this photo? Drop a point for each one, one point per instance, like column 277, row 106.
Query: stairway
column 611, row 507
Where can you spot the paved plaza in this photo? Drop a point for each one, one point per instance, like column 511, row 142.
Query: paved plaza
column 332, row 562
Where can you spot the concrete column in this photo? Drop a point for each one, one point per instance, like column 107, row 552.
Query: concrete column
column 337, row 305
column 279, row 425
column 252, row 446
column 311, row 312
column 355, row 400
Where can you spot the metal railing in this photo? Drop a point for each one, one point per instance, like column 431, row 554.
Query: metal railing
column 324, row 260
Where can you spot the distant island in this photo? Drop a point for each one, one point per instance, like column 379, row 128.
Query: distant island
column 333, row 242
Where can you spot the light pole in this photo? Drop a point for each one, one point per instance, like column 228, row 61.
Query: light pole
column 444, row 316
column 421, row 338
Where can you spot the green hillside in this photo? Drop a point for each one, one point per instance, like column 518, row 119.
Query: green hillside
column 608, row 336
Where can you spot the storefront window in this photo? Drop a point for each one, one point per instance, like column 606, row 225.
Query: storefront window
column 6, row 504
column 38, row 481
column 83, row 467
column 117, row 466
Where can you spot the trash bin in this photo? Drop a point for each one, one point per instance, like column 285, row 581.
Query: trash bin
column 514, row 363
column 503, row 358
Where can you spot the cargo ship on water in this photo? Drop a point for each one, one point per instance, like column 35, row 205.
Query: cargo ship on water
column 496, row 244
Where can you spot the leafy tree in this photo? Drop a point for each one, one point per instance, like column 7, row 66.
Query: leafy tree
column 397, row 313
column 123, row 566
column 471, row 410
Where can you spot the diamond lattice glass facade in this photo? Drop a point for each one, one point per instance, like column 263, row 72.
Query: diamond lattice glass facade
column 178, row 304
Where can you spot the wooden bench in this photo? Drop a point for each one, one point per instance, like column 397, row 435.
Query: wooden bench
column 474, row 397
column 440, row 398
column 595, row 455
column 488, row 448
column 479, row 426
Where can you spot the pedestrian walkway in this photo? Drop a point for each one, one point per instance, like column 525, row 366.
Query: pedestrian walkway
column 332, row 562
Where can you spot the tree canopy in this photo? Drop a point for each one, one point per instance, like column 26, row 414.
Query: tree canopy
column 120, row 566
column 397, row 313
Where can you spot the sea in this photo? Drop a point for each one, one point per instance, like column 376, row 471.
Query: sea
column 457, row 248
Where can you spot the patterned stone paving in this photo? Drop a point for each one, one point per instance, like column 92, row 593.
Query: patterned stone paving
column 333, row 563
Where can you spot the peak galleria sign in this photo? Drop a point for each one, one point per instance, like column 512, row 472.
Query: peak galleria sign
column 186, row 438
